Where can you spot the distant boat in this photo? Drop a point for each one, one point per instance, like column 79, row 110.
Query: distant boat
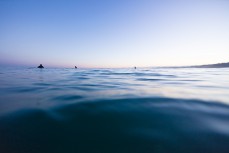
column 75, row 67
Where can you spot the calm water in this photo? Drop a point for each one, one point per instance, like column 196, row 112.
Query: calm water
column 114, row 110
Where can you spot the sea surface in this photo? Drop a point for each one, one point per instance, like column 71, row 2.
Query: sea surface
column 143, row 110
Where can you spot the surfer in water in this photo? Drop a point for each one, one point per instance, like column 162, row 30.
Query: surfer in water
column 40, row 66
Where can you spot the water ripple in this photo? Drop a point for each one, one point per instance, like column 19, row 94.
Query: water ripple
column 67, row 98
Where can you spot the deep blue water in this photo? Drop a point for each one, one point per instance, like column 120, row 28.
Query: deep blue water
column 114, row 110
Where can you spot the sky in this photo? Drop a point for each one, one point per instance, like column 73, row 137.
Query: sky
column 113, row 33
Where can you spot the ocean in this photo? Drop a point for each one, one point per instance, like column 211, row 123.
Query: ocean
column 143, row 110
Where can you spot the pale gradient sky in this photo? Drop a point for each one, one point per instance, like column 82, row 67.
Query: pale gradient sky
column 113, row 33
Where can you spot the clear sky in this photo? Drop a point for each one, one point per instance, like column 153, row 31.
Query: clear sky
column 113, row 33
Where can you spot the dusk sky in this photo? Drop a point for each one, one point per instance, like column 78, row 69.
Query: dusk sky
column 113, row 33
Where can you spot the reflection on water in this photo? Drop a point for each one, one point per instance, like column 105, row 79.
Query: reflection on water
column 114, row 110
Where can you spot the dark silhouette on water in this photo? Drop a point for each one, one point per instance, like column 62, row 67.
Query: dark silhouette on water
column 135, row 67
column 75, row 67
column 40, row 66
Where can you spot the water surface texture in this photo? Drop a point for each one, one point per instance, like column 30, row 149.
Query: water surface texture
column 145, row 110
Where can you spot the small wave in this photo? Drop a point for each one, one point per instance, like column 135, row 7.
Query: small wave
column 24, row 89
column 145, row 125
column 43, row 84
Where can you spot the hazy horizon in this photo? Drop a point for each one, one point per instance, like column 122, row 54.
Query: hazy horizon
column 114, row 33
